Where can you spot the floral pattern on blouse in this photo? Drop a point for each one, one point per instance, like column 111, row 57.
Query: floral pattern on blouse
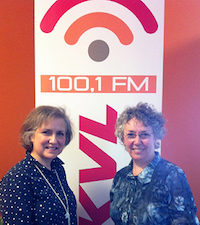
column 26, row 198
column 159, row 195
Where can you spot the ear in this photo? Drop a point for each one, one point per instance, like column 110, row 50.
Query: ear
column 156, row 143
column 123, row 140
column 32, row 137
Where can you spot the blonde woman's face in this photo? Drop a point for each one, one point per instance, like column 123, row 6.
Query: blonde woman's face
column 48, row 141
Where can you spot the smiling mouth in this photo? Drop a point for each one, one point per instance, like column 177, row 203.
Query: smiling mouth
column 52, row 148
column 138, row 150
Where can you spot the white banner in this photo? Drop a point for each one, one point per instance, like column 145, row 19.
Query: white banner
column 94, row 58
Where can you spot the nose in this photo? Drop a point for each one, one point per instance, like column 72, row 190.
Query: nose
column 137, row 140
column 53, row 139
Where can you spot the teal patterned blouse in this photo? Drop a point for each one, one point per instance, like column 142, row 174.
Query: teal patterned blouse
column 160, row 194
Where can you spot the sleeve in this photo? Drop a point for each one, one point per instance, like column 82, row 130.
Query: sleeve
column 182, row 207
column 16, row 199
column 114, row 183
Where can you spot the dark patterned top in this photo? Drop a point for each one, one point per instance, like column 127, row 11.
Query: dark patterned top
column 26, row 198
column 160, row 194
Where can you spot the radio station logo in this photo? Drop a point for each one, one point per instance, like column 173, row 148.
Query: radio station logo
column 99, row 50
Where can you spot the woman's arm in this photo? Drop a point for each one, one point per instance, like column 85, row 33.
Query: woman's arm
column 16, row 201
column 182, row 207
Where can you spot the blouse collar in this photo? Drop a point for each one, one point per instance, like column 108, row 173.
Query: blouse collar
column 56, row 163
column 146, row 175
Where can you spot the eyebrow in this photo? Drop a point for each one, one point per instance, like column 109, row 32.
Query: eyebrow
column 143, row 131
column 48, row 129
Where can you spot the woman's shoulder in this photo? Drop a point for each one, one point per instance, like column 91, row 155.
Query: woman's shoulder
column 19, row 170
column 169, row 166
column 123, row 171
column 167, row 169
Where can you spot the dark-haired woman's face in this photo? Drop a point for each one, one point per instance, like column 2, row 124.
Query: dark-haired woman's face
column 48, row 141
column 139, row 141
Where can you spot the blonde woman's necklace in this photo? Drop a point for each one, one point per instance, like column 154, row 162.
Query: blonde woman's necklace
column 67, row 215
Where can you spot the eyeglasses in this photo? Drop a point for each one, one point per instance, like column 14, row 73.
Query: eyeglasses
column 142, row 136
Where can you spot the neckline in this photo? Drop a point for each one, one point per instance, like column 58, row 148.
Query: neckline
column 67, row 214
column 54, row 164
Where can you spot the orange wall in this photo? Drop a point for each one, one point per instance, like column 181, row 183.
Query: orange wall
column 16, row 76
column 181, row 89
column 181, row 83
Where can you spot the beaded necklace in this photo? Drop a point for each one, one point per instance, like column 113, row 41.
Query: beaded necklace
column 67, row 215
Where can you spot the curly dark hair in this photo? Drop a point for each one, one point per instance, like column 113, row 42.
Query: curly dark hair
column 37, row 117
column 145, row 113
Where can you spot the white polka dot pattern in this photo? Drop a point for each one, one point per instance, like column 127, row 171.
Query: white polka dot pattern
column 26, row 198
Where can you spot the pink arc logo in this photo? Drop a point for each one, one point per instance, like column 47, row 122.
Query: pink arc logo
column 99, row 19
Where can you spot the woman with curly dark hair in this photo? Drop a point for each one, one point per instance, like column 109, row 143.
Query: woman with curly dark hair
column 150, row 190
